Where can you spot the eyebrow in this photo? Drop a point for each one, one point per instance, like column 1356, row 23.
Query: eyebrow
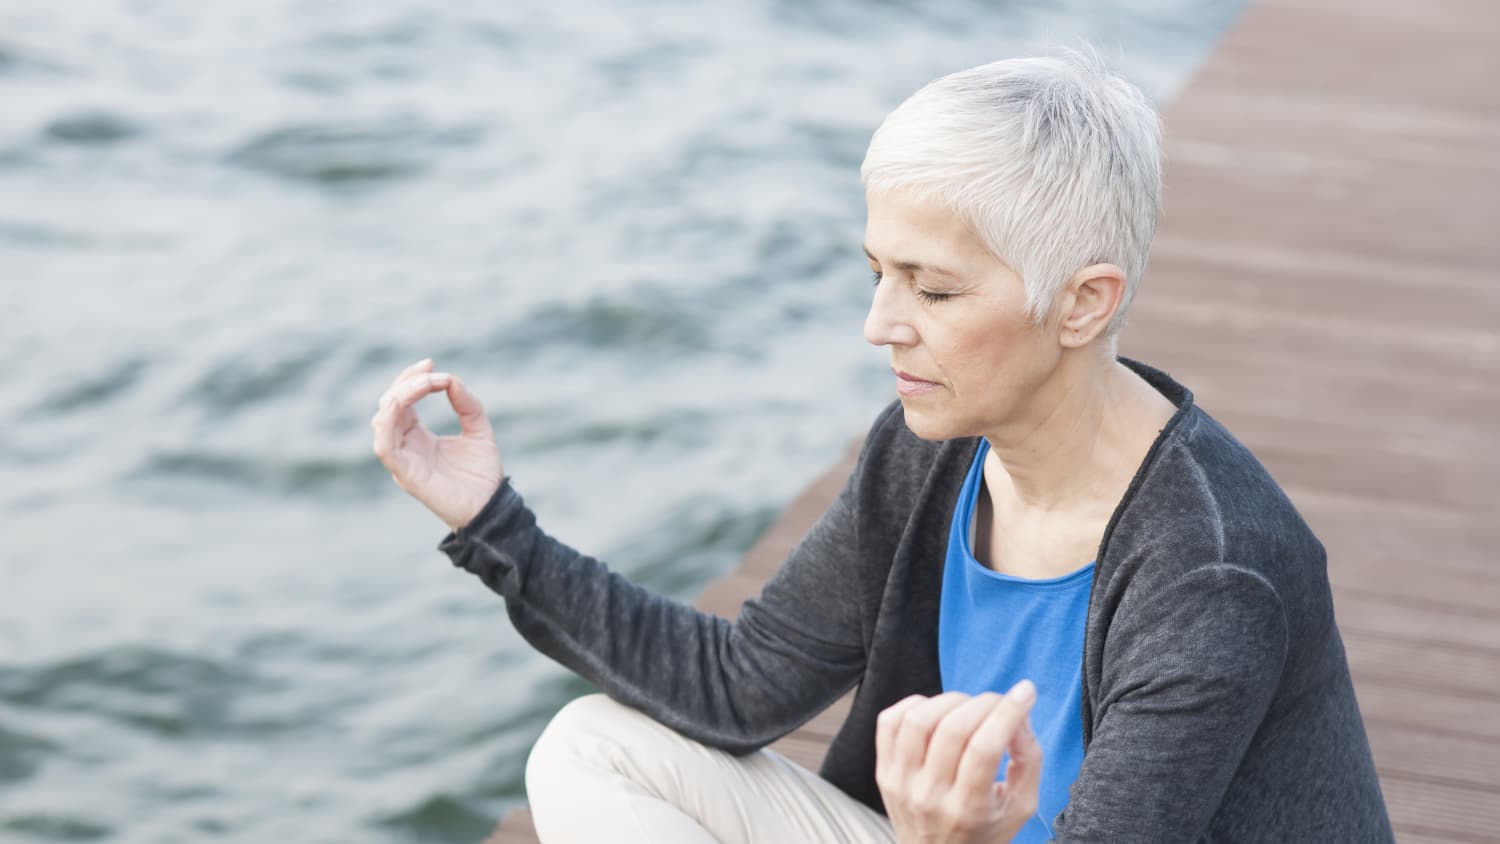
column 913, row 266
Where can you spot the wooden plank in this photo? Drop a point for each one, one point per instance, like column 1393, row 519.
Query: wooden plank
column 1456, row 811
column 1435, row 757
column 1438, row 628
column 1327, row 262
column 1439, row 667
column 1386, row 703
column 516, row 828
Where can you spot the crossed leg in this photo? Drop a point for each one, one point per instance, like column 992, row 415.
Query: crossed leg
column 605, row 772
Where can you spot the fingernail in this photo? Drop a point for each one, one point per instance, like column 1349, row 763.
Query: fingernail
column 1023, row 693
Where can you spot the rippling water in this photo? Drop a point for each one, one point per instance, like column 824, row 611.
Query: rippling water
column 633, row 227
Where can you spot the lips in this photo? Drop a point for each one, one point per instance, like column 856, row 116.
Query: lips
column 910, row 385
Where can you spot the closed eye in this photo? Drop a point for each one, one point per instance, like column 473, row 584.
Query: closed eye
column 927, row 296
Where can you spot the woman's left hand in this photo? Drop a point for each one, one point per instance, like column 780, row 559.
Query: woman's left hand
column 936, row 759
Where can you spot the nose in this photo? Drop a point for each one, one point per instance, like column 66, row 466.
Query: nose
column 885, row 324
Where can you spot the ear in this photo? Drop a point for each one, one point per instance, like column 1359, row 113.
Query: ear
column 1089, row 302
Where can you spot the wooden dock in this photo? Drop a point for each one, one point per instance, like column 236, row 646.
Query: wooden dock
column 1326, row 279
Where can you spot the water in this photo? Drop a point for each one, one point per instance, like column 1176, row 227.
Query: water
column 633, row 228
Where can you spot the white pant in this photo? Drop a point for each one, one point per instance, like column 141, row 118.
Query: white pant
column 605, row 772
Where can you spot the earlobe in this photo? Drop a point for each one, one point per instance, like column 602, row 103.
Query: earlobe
column 1094, row 295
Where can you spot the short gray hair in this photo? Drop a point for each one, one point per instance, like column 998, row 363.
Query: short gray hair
column 1054, row 161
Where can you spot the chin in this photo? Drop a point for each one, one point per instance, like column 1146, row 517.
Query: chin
column 929, row 425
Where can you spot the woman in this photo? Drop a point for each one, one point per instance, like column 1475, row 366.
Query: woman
column 1044, row 552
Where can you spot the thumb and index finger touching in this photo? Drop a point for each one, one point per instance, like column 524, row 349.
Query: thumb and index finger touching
column 415, row 383
column 419, row 380
column 471, row 416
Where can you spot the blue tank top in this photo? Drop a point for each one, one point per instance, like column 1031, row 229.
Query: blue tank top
column 995, row 630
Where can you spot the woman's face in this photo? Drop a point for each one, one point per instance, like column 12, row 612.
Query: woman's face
column 964, row 356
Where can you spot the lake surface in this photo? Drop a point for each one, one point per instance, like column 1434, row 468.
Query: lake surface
column 633, row 228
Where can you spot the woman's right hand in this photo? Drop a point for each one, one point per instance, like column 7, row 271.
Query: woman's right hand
column 454, row 477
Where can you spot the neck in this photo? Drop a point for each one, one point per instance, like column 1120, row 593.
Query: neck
column 1081, row 438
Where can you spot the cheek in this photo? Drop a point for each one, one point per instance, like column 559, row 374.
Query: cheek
column 981, row 353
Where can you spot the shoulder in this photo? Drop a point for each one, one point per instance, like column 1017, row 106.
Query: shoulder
column 1204, row 500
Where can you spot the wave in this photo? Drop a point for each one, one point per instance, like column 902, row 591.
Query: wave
column 680, row 550
column 648, row 320
column 56, row 827
column 93, row 128
column 21, row 754
column 16, row 60
column 683, row 427
column 156, row 691
column 238, row 383
column 40, row 234
column 363, row 477
column 441, row 817
column 95, row 390
column 348, row 154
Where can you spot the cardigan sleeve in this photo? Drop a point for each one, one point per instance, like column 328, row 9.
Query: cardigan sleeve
column 734, row 685
column 1184, row 695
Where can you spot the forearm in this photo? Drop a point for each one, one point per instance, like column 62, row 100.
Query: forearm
column 735, row 686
